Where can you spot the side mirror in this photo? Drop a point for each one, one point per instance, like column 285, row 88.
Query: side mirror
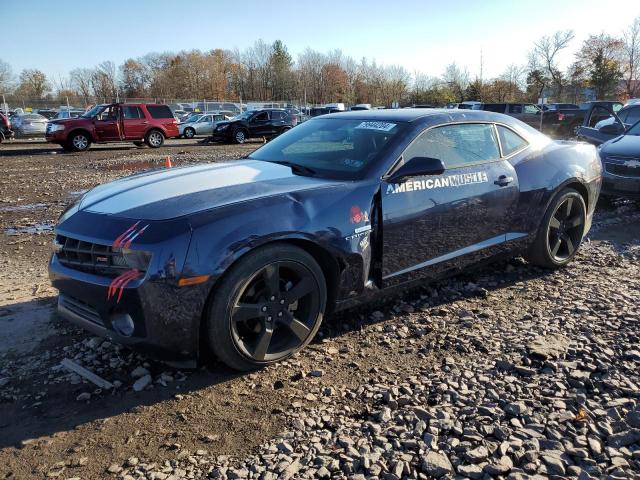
column 611, row 129
column 417, row 167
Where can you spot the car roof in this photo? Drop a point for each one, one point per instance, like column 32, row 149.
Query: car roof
column 426, row 115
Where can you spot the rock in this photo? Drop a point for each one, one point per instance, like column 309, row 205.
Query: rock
column 114, row 468
column 548, row 347
column 436, row 464
column 502, row 466
column 139, row 371
column 624, row 438
column 142, row 383
column 477, row 454
column 633, row 418
column 471, row 471
column 554, row 465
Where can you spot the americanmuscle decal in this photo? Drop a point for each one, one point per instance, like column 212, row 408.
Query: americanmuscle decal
column 458, row 180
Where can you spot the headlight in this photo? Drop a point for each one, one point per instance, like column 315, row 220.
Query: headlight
column 138, row 259
column 56, row 127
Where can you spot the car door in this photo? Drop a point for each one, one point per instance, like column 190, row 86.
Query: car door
column 134, row 125
column 260, row 124
column 202, row 125
column 598, row 134
column 434, row 223
column 107, row 124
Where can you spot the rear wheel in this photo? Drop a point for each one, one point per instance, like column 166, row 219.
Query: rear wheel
column 269, row 306
column 561, row 231
column 154, row 139
column 78, row 142
column 189, row 132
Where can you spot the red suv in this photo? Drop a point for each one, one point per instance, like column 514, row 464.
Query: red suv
column 115, row 122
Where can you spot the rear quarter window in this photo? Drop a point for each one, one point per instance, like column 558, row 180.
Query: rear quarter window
column 511, row 142
column 159, row 111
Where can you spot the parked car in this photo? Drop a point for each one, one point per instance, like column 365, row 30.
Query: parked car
column 73, row 113
column 360, row 106
column 564, row 122
column 5, row 128
column 201, row 125
column 255, row 123
column 555, row 107
column 115, row 122
column 48, row 113
column 244, row 258
column 525, row 112
column 619, row 148
column 470, row 105
column 29, row 125
column 629, row 115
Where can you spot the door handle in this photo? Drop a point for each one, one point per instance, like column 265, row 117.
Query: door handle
column 503, row 181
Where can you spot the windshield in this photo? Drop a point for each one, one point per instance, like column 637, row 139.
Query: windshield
column 332, row 147
column 93, row 112
column 244, row 115
column 635, row 130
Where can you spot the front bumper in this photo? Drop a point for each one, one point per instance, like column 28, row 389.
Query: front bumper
column 620, row 186
column 166, row 318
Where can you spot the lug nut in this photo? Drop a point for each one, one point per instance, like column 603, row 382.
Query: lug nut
column 269, row 318
column 273, row 298
column 282, row 301
column 264, row 309
column 279, row 314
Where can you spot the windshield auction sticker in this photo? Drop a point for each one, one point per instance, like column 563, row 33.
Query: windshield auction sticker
column 380, row 126
column 440, row 182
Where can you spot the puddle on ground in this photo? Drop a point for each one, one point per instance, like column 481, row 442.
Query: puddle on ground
column 134, row 166
column 20, row 208
column 35, row 229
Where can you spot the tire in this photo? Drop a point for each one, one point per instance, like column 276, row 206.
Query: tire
column 239, row 136
column 189, row 132
column 78, row 141
column 154, row 139
column 284, row 129
column 561, row 231
column 269, row 306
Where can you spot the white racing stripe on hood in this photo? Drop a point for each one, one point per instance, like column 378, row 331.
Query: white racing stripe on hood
column 157, row 187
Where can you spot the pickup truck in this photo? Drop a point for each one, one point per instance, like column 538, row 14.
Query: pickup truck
column 526, row 112
column 564, row 122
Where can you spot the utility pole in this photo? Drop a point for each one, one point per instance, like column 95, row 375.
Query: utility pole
column 481, row 72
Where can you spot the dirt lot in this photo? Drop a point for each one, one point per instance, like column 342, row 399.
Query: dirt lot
column 510, row 371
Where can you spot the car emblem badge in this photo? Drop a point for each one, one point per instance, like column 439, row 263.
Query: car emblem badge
column 632, row 163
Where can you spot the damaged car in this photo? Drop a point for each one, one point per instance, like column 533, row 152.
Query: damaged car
column 244, row 258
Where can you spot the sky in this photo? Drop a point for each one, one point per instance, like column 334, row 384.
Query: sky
column 425, row 36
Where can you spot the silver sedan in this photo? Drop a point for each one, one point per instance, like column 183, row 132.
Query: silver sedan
column 201, row 125
column 29, row 125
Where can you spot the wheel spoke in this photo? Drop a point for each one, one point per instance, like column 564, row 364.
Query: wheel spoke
column 245, row 311
column 556, row 246
column 302, row 288
column 272, row 278
column 262, row 345
column 298, row 328
column 575, row 221
column 569, row 207
column 554, row 223
column 570, row 247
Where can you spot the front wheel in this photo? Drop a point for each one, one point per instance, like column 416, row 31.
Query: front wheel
column 561, row 231
column 269, row 306
column 189, row 132
column 155, row 139
column 78, row 142
column 239, row 136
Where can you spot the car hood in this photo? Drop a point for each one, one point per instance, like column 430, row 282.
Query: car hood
column 170, row 193
column 625, row 145
column 64, row 121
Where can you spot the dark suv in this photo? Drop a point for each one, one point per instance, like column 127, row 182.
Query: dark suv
column 266, row 123
column 115, row 122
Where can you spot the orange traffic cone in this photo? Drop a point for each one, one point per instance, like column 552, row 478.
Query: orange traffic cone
column 167, row 162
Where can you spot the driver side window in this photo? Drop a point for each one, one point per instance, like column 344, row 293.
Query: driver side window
column 109, row 114
column 456, row 145
column 261, row 117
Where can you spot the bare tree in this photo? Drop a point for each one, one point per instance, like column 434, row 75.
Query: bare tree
column 80, row 79
column 457, row 80
column 631, row 61
column 6, row 77
column 33, row 84
column 546, row 51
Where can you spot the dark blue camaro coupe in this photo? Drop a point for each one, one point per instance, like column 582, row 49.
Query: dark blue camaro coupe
column 244, row 258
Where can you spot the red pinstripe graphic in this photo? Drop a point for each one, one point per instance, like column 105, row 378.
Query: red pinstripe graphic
column 120, row 282
column 133, row 237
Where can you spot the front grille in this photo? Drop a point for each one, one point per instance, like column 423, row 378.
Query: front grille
column 80, row 309
column 622, row 170
column 90, row 257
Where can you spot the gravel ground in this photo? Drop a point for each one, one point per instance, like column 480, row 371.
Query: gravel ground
column 506, row 372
